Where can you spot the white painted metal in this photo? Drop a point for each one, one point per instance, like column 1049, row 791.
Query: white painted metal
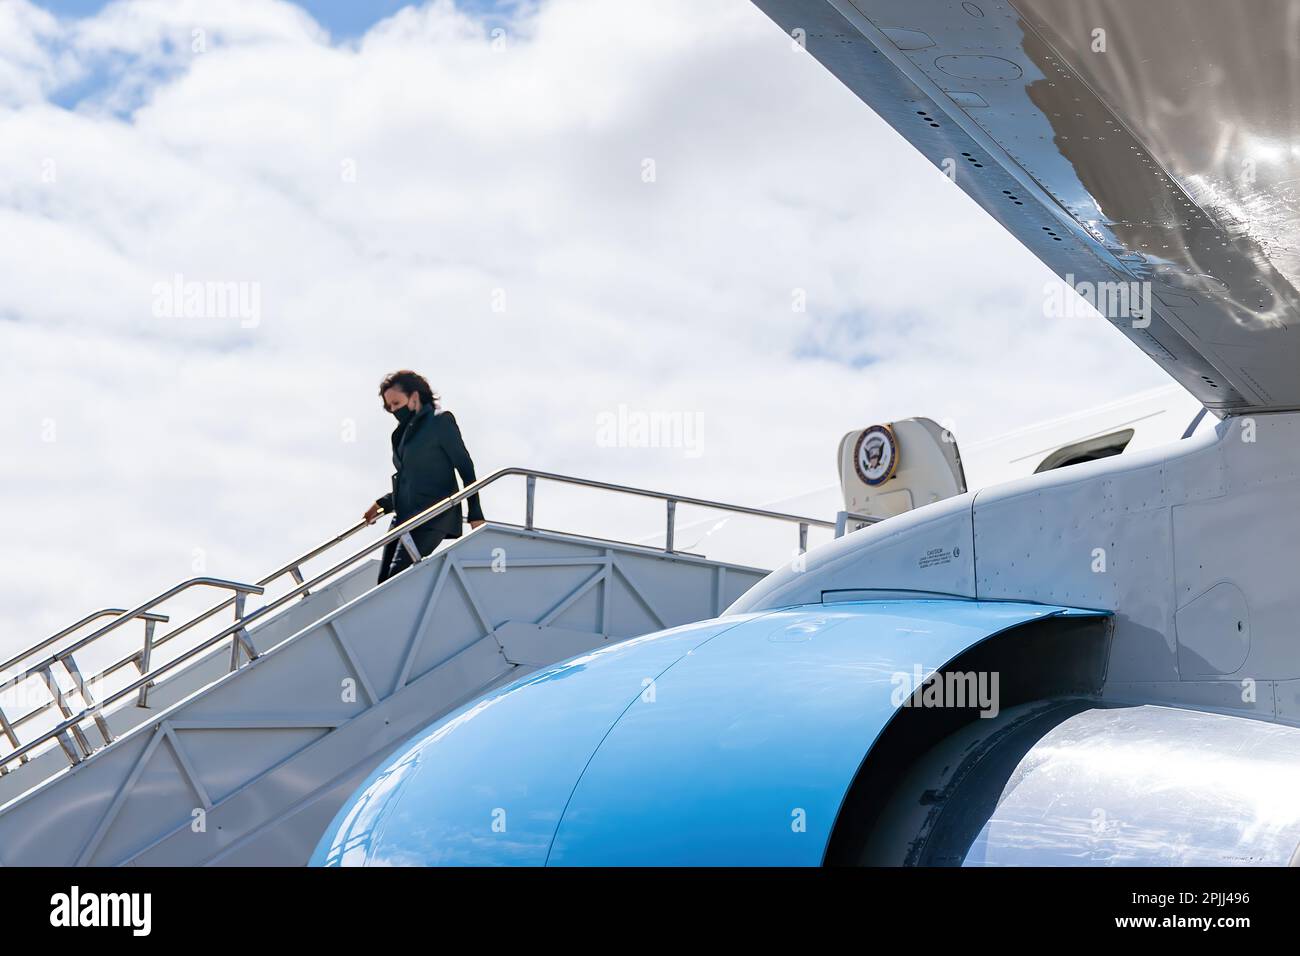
column 1155, row 417
column 250, row 768
column 1183, row 543
column 928, row 469
column 203, row 671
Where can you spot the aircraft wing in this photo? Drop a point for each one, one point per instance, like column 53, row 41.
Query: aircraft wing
column 1146, row 151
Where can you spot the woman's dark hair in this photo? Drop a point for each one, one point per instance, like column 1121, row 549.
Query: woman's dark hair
column 411, row 383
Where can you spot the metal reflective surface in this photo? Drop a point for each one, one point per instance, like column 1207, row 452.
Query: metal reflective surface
column 1147, row 151
column 730, row 742
column 1209, row 88
column 1150, row 786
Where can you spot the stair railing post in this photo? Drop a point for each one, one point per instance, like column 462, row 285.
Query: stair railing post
column 70, row 664
column 146, row 653
column 7, row 730
column 73, row 740
column 530, row 500
column 241, row 636
column 412, row 552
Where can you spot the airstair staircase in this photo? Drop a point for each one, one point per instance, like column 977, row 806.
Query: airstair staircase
column 235, row 743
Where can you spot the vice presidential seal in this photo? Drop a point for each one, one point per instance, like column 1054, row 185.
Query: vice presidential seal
column 876, row 455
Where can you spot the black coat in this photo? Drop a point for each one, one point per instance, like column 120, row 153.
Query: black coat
column 427, row 452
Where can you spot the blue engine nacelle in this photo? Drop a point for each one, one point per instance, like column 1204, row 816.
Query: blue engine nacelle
column 774, row 738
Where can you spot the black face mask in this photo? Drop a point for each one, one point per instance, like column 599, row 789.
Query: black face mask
column 404, row 414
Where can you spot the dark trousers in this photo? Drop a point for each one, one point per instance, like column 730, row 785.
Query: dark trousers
column 396, row 559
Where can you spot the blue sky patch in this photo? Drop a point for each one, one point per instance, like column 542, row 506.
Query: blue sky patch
column 120, row 84
column 344, row 19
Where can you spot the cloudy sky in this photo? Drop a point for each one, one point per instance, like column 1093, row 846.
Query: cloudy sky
column 555, row 210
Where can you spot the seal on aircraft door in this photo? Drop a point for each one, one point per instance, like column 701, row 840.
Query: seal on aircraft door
column 876, row 455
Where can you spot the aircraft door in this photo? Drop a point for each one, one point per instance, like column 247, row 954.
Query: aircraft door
column 888, row 469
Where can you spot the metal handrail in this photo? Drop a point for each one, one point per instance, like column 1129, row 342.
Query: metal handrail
column 76, row 745
column 141, row 657
column 104, row 612
column 842, row 519
column 293, row 568
column 400, row 533
column 147, row 606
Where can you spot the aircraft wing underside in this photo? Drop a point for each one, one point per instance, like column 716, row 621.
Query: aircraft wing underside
column 1146, row 149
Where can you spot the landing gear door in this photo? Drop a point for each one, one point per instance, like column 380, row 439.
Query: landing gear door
column 886, row 470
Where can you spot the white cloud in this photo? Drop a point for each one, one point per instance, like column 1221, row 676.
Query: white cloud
column 476, row 169
column 27, row 67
